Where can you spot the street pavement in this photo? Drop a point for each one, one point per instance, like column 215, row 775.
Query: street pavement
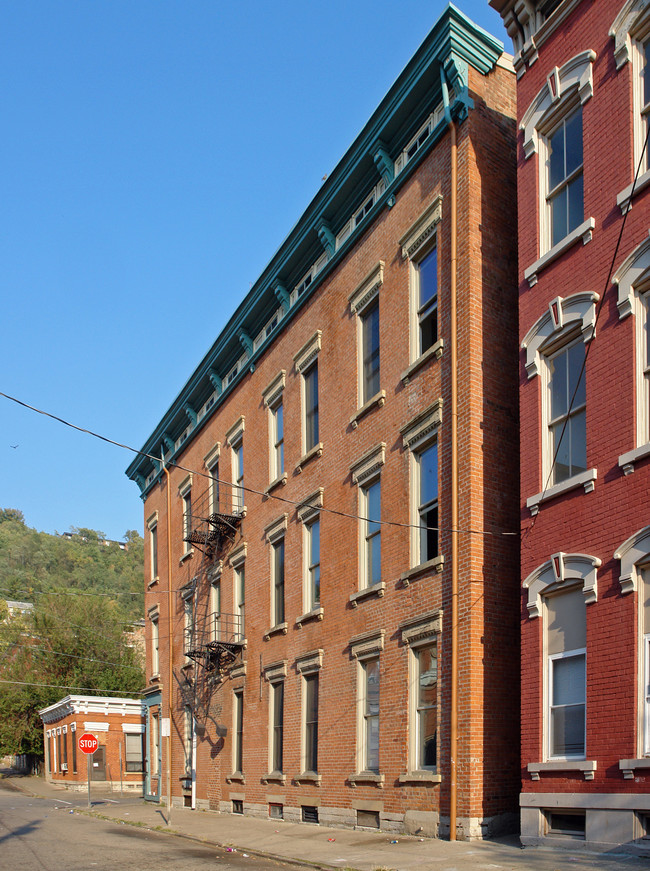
column 331, row 849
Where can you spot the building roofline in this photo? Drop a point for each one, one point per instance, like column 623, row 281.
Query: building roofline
column 453, row 44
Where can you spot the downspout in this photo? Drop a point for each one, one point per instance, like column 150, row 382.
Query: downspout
column 453, row 329
column 170, row 676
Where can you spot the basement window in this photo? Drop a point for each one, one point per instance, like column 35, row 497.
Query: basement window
column 309, row 814
column 237, row 806
column 276, row 811
column 368, row 819
column 567, row 824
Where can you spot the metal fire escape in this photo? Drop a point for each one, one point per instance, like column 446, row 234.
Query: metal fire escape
column 212, row 640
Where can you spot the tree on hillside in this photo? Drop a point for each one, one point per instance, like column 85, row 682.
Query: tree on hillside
column 71, row 644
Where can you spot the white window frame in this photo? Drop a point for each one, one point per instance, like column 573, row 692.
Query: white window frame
column 306, row 754
column 211, row 462
column 275, row 534
column 309, row 512
column 545, row 200
column 215, row 604
column 548, row 423
column 187, row 597
column 272, row 396
column 237, row 732
column 305, row 361
column 152, row 526
column 645, row 693
column 235, row 438
column 365, row 717
column 154, row 619
column 366, row 473
column 550, row 707
column 368, row 534
column 188, row 741
column 185, row 492
column 309, row 666
column 273, row 690
column 362, row 301
column 418, row 633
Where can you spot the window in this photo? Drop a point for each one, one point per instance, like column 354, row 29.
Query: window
column 427, row 498
column 306, row 361
column 645, row 665
column 277, row 725
column 213, row 471
column 311, row 407
column 187, row 739
column 312, row 549
column 153, row 550
column 238, row 731
column 238, row 476
column 277, row 441
column 272, row 397
column 73, row 743
column 64, row 758
column 58, row 747
column 566, row 651
column 371, row 532
column 240, row 601
column 310, row 691
column 185, row 492
column 564, row 182
column 278, row 582
column 188, row 621
column 426, row 273
column 426, row 706
column 155, row 745
column 155, row 646
column 644, row 91
column 309, row 814
column 567, row 416
column 276, row 811
column 235, row 438
column 215, row 609
column 370, row 715
column 133, row 753
column 238, row 806
column 370, row 352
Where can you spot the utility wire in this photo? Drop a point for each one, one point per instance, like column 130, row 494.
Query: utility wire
column 244, row 488
column 75, row 656
column 24, row 683
column 599, row 308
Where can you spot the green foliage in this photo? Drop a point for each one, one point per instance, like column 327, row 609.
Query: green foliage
column 86, row 594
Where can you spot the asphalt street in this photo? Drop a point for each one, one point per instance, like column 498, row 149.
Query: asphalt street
column 44, row 834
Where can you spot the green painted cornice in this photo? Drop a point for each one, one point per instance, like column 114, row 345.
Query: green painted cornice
column 454, row 45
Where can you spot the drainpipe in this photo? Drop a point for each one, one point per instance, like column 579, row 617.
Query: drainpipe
column 453, row 329
column 170, row 675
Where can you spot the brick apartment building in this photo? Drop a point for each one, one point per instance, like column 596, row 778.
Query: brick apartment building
column 299, row 558
column 118, row 725
column 583, row 94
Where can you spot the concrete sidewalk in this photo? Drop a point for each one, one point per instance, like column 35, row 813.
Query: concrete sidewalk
column 318, row 846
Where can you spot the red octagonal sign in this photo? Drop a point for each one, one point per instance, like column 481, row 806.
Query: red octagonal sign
column 88, row 743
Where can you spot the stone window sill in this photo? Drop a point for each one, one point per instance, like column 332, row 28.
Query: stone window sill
column 152, row 583
column 188, row 553
column 278, row 629
column 366, row 777
column 626, row 461
column 315, row 614
column 420, row 777
column 584, row 232
column 316, row 451
column 236, row 777
column 434, row 351
column 584, row 479
column 623, row 198
column 281, row 481
column 376, row 590
column 309, row 777
column 629, row 766
column 562, row 766
column 433, row 565
column 154, row 677
column 379, row 399
column 274, row 777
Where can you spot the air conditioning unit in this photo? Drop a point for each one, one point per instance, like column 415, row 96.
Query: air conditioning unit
column 64, row 766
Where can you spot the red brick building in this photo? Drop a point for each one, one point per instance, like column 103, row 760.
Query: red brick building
column 299, row 492
column 583, row 95
column 118, row 725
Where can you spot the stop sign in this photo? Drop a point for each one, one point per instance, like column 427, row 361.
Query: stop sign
column 88, row 743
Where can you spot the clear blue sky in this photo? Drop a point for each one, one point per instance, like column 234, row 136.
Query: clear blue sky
column 154, row 155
